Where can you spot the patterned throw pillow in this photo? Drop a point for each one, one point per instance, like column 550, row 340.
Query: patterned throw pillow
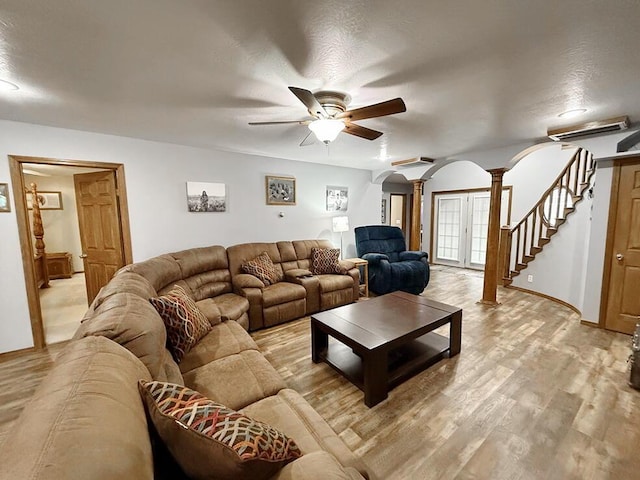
column 209, row 440
column 263, row 268
column 185, row 323
column 325, row 260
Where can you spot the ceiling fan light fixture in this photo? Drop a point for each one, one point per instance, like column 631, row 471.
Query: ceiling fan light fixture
column 326, row 129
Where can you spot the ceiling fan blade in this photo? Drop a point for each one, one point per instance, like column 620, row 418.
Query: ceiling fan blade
column 360, row 131
column 310, row 101
column 378, row 110
column 299, row 122
column 308, row 140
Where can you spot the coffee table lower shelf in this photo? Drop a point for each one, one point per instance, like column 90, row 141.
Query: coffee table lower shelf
column 403, row 362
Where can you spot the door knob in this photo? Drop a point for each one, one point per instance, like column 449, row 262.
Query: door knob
column 84, row 255
column 619, row 256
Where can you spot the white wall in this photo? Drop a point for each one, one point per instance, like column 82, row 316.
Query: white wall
column 156, row 176
column 61, row 229
column 571, row 266
column 560, row 269
column 533, row 175
column 463, row 175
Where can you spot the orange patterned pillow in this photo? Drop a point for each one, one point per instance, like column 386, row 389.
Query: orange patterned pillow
column 184, row 321
column 263, row 268
column 325, row 260
column 209, row 440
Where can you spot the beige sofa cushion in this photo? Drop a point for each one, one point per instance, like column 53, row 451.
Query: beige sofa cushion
column 236, row 380
column 227, row 306
column 282, row 292
column 290, row 413
column 226, row 338
column 211, row 441
column 125, row 282
column 205, row 271
column 85, row 421
column 159, row 271
column 231, row 306
column 317, row 466
column 132, row 322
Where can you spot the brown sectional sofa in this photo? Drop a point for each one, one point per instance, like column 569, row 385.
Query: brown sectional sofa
column 87, row 419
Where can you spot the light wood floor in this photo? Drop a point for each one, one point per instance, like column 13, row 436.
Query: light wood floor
column 533, row 395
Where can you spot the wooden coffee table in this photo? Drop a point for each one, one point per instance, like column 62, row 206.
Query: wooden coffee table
column 383, row 341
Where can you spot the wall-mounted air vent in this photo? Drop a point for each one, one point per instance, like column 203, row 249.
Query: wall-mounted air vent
column 591, row 128
column 412, row 162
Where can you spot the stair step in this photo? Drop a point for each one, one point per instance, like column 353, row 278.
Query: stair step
column 536, row 250
column 520, row 266
column 543, row 241
column 528, row 258
column 514, row 274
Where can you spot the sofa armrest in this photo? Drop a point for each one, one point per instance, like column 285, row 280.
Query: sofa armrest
column 244, row 280
column 345, row 266
column 412, row 255
column 374, row 258
column 297, row 273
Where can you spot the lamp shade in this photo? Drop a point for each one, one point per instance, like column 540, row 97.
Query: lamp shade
column 326, row 129
column 340, row 224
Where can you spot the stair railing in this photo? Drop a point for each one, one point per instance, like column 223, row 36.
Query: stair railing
column 519, row 245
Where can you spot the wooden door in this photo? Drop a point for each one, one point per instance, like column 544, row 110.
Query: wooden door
column 100, row 234
column 623, row 305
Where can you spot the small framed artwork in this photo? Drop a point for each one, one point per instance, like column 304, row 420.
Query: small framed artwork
column 206, row 197
column 5, row 206
column 337, row 199
column 46, row 200
column 280, row 190
column 383, row 212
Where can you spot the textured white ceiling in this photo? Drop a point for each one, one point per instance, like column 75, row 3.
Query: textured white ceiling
column 474, row 74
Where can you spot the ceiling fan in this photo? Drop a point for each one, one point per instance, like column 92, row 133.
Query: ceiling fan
column 331, row 116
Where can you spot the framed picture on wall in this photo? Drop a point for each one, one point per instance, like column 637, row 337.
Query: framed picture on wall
column 337, row 199
column 4, row 198
column 46, row 200
column 383, row 212
column 280, row 190
column 206, row 197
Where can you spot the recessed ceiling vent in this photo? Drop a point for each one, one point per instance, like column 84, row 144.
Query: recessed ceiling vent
column 412, row 161
column 590, row 128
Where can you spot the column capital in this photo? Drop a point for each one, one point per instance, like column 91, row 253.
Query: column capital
column 497, row 173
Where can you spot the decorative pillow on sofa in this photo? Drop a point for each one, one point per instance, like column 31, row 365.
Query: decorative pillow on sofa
column 211, row 441
column 263, row 268
column 184, row 322
column 325, row 260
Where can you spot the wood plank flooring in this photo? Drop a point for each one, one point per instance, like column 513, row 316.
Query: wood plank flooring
column 533, row 395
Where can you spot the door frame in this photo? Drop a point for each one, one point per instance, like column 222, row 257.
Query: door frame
column 24, row 229
column 611, row 228
column 404, row 209
column 508, row 188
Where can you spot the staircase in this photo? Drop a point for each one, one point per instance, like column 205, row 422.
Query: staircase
column 520, row 245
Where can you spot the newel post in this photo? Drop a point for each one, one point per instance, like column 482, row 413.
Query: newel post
column 504, row 257
column 491, row 268
column 416, row 216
